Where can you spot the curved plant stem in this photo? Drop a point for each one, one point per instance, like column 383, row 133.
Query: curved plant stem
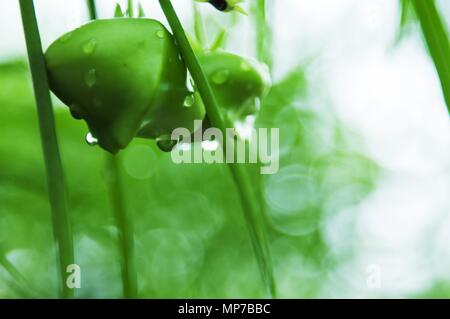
column 243, row 184
column 125, row 227
column 122, row 218
column 437, row 38
column 54, row 170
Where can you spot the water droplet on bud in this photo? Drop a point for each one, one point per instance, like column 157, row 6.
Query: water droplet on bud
column 245, row 66
column 160, row 34
column 90, row 78
column 91, row 139
column 89, row 46
column 220, row 77
column 189, row 100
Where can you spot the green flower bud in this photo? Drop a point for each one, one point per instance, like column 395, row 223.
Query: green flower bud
column 124, row 77
column 238, row 83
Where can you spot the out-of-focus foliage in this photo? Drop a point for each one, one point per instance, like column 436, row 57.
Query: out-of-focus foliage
column 435, row 35
column 437, row 38
column 190, row 235
column 407, row 15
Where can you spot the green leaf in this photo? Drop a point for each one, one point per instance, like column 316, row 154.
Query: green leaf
column 220, row 40
column 407, row 17
column 141, row 12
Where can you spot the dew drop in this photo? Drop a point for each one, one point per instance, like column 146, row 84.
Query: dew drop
column 160, row 34
column 165, row 87
column 66, row 36
column 165, row 143
column 91, row 139
column 189, row 100
column 90, row 78
column 245, row 66
column 210, row 146
column 220, row 77
column 89, row 46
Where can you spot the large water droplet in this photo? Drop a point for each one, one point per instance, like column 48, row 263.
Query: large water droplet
column 89, row 46
column 90, row 78
column 220, row 77
column 160, row 34
column 189, row 100
column 165, row 143
column 91, row 139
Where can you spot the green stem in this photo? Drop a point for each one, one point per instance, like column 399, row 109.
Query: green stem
column 92, row 9
column 240, row 176
column 264, row 52
column 123, row 220
column 54, row 170
column 130, row 8
column 264, row 32
column 125, row 227
column 436, row 36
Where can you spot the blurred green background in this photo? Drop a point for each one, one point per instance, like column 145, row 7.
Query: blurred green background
column 362, row 188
